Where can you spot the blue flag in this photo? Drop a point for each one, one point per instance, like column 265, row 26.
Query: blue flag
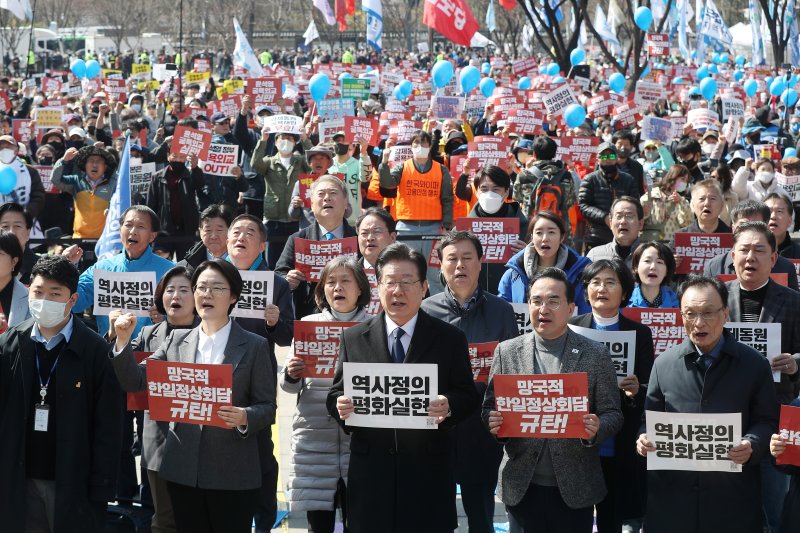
column 110, row 242
column 374, row 12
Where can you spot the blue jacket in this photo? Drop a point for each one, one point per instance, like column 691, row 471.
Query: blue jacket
column 148, row 262
column 669, row 300
column 514, row 283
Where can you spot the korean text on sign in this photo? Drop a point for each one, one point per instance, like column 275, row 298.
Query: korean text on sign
column 522, row 315
column 187, row 141
column 549, row 406
column 387, row 395
column 310, row 257
column 131, row 292
column 765, row 338
column 317, row 344
column 189, row 393
column 221, row 159
column 698, row 248
column 621, row 345
column 137, row 401
column 496, row 236
column 481, row 356
column 374, row 308
column 264, row 90
column 789, row 429
column 666, row 326
column 693, row 441
column 257, row 287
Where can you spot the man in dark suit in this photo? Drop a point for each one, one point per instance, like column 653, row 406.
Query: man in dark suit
column 402, row 480
column 780, row 223
column 710, row 372
column 754, row 297
column 328, row 202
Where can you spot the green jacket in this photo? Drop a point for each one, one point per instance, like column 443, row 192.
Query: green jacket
column 279, row 180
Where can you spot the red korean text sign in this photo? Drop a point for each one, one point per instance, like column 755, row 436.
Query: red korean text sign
column 264, row 91
column 665, row 324
column 364, row 130
column 310, row 257
column 488, row 150
column 188, row 393
column 374, row 308
column 188, row 141
column 137, row 401
column 496, row 236
column 317, row 344
column 547, row 406
column 481, row 356
column 789, row 429
column 698, row 248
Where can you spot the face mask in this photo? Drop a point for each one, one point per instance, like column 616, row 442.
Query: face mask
column 490, row 202
column 75, row 144
column 47, row 313
column 689, row 163
column 420, row 152
column 708, row 148
column 137, row 107
column 46, row 161
column 651, row 155
column 95, row 109
column 606, row 137
column 7, row 155
column 285, row 147
column 765, row 177
column 623, row 153
column 341, row 149
column 609, row 171
column 680, row 186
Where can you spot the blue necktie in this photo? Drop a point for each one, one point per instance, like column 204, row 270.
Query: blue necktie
column 329, row 236
column 398, row 352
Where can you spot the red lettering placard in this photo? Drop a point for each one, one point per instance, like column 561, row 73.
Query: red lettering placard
column 496, row 236
column 317, row 344
column 363, row 130
column 115, row 88
column 374, row 307
column 229, row 106
column 698, row 248
column 547, row 406
column 402, row 130
column 525, row 122
column 781, row 278
column 22, row 130
column 189, row 393
column 481, row 355
column 202, row 64
column 581, row 150
column 264, row 90
column 658, row 44
column 189, row 141
column 488, row 150
column 789, row 429
column 137, row 401
column 310, row 257
column 665, row 324
column 627, row 114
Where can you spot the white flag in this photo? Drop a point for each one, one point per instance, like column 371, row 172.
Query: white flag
column 603, row 29
column 243, row 55
column 714, row 27
column 311, row 33
column 615, row 16
column 325, row 8
column 17, row 8
column 755, row 33
column 374, row 12
column 491, row 23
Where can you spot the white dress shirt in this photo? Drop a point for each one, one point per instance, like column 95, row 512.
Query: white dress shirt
column 211, row 348
column 408, row 328
column 338, row 232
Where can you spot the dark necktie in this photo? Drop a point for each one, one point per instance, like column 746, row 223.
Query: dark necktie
column 398, row 352
column 706, row 360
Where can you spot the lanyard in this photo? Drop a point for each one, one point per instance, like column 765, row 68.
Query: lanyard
column 43, row 385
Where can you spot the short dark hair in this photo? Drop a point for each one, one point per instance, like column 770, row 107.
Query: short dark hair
column 380, row 213
column 748, row 208
column 173, row 272
column 154, row 222
column 544, row 148
column 228, row 271
column 758, row 227
column 254, row 219
column 9, row 243
column 556, row 274
column 771, row 196
column 343, row 261
column 398, row 251
column 632, row 200
column 495, row 174
column 59, row 269
column 763, row 160
column 222, row 211
column 546, row 215
column 454, row 237
column 623, row 135
column 688, row 145
column 703, row 281
column 14, row 207
column 615, row 265
column 664, row 253
column 420, row 136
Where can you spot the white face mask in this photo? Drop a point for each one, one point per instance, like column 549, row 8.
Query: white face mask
column 285, row 147
column 651, row 155
column 7, row 156
column 708, row 148
column 137, row 107
column 420, row 152
column 136, row 161
column 490, row 202
column 680, row 186
column 765, row 177
column 47, row 313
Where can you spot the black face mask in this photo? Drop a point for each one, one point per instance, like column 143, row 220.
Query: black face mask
column 96, row 109
column 341, row 149
column 689, row 163
column 609, row 171
column 76, row 144
column 46, row 161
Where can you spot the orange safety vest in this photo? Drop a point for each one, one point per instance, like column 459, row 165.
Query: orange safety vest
column 419, row 195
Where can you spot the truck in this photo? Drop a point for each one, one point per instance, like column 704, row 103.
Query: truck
column 44, row 41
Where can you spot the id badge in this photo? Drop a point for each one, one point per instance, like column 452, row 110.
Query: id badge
column 41, row 417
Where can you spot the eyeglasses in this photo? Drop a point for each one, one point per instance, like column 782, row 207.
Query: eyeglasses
column 377, row 232
column 553, row 303
column 171, row 291
column 609, row 284
column 628, row 217
column 404, row 285
column 215, row 291
column 607, row 157
column 709, row 317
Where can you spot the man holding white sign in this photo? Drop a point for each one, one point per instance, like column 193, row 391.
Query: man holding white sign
column 393, row 470
column 710, row 372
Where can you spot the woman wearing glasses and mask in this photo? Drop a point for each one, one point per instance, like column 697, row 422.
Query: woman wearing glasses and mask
column 608, row 284
column 212, row 473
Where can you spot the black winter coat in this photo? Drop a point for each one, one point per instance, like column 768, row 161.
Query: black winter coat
column 595, row 198
column 190, row 184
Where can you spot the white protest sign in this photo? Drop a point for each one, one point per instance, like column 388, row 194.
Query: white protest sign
column 732, row 107
column 648, row 92
column 621, row 345
column 702, row 118
column 657, row 129
column 765, row 338
column 132, row 292
column 447, row 107
column 329, row 128
column 790, row 184
column 335, row 108
column 221, row 160
column 140, row 177
column 522, row 315
column 697, row 442
column 257, row 287
column 557, row 100
column 389, row 395
column 284, row 124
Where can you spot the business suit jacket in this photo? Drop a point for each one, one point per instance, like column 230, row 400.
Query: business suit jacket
column 303, row 294
column 401, row 480
column 723, row 264
column 19, row 311
column 576, row 462
column 210, row 457
column 781, row 306
column 738, row 381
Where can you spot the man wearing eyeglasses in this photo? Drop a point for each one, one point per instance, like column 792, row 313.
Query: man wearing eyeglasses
column 402, row 480
column 627, row 221
column 597, row 193
column 552, row 485
column 710, row 372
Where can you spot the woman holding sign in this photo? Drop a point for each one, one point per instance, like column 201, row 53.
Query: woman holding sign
column 608, row 284
column 212, row 472
column 320, row 447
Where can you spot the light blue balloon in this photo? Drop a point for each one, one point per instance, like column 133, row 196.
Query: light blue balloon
column 542, row 69
column 486, row 68
column 344, row 76
column 695, row 90
column 738, row 75
column 768, row 81
column 406, row 87
column 645, row 72
column 792, row 81
column 487, row 86
column 777, row 86
column 442, row 73
column 574, row 115
column 713, row 69
column 702, row 72
column 318, row 86
column 677, row 81
column 92, row 69
column 790, row 152
column 750, row 88
column 724, row 58
column 577, row 56
column 741, row 60
column 559, row 79
column 8, row 179
column 397, row 93
column 715, row 57
column 524, row 83
column 369, row 68
column 469, row 78
column 553, row 69
column 643, row 17
column 708, row 88
column 78, row 67
column 616, row 82
column 789, row 97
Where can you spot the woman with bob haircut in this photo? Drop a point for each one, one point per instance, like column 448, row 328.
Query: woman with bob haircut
column 653, row 267
column 13, row 294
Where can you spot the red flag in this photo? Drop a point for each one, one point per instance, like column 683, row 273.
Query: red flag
column 451, row 18
column 351, row 7
column 508, row 4
column 341, row 14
